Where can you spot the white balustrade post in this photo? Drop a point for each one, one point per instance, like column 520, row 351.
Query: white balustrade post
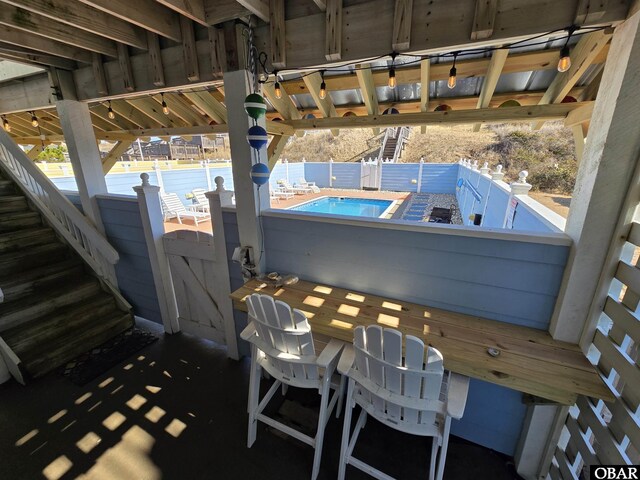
column 361, row 174
column 331, row 172
column 521, row 187
column 498, row 175
column 419, row 189
column 153, row 226
column 156, row 168
column 217, row 200
column 485, row 169
column 207, row 172
column 286, row 170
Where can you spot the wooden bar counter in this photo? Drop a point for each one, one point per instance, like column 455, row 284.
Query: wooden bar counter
column 528, row 360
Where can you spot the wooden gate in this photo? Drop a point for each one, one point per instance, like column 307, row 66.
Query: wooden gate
column 201, row 285
column 371, row 175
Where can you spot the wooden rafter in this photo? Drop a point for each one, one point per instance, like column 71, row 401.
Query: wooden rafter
column 153, row 110
column 368, row 90
column 189, row 50
column 115, row 153
column 34, row 58
column 102, row 120
column 99, row 75
column 209, row 105
column 34, row 24
column 219, row 11
column 486, row 115
column 276, row 23
column 333, row 30
column 325, row 105
column 77, row 15
column 260, row 8
column 589, row 11
column 425, row 82
column 498, row 59
column 275, row 148
column 401, row 39
column 582, row 57
column 182, row 109
column 155, row 59
column 192, row 9
column 147, row 14
column 283, row 105
column 128, row 111
column 484, row 19
column 44, row 45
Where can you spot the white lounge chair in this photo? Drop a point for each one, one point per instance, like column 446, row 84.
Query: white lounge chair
column 202, row 202
column 286, row 186
column 279, row 193
column 282, row 344
column 413, row 396
column 173, row 207
column 304, row 184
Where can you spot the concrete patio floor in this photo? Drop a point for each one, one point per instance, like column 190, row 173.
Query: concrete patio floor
column 177, row 410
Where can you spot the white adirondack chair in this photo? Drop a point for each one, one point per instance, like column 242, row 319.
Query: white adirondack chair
column 282, row 344
column 202, row 202
column 412, row 397
column 173, row 207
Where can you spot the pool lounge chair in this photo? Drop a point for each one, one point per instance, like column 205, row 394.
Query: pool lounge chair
column 172, row 207
column 202, row 202
column 312, row 185
column 278, row 193
column 286, row 186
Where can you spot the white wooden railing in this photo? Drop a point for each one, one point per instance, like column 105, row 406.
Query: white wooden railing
column 61, row 214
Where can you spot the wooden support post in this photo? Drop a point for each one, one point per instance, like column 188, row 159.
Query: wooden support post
column 277, row 37
column 218, row 199
column 403, row 12
column 333, row 30
column 217, row 51
column 578, row 140
column 114, row 154
column 604, row 176
column 99, row 75
column 153, row 226
column 35, row 151
column 250, row 200
column 75, row 120
column 313, row 82
column 125, row 67
column 155, row 59
column 494, row 71
column 425, row 74
column 368, row 90
column 484, row 19
column 189, row 51
column 275, row 148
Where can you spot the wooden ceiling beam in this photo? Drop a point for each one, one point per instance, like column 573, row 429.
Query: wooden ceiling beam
column 182, row 109
column 40, row 44
column 498, row 59
column 425, row 82
column 325, row 105
column 275, row 148
column 209, row 105
column 582, row 57
column 78, row 15
column 456, row 117
column 403, row 12
column 132, row 114
column 276, row 24
column 333, row 33
column 153, row 110
column 146, row 14
column 115, row 153
column 10, row 52
column 484, row 19
column 219, row 11
column 260, row 8
column 119, row 122
column 368, row 90
column 192, row 9
column 589, row 11
column 283, row 105
column 477, row 67
column 322, row 4
column 34, row 24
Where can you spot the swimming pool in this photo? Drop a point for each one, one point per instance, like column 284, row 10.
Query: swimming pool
column 359, row 207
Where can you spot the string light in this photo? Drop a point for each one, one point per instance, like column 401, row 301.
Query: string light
column 110, row 112
column 276, row 87
column 323, row 86
column 451, row 83
column 165, row 108
column 564, row 63
column 34, row 119
column 5, row 124
column 392, row 71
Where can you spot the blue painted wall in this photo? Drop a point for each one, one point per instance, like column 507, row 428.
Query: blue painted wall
column 398, row 177
column 348, row 175
column 123, row 226
column 439, row 177
column 317, row 172
column 525, row 219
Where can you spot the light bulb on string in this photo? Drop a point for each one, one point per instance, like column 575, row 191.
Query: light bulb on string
column 276, row 87
column 5, row 124
column 34, row 120
column 165, row 108
column 392, row 72
column 110, row 112
column 451, row 82
column 323, row 86
column 564, row 62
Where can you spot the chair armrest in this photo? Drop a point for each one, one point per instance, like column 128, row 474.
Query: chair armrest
column 330, row 353
column 346, row 359
column 193, row 207
column 248, row 332
column 457, row 395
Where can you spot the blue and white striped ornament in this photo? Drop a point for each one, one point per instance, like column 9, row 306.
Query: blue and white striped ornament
column 255, row 106
column 260, row 173
column 257, row 137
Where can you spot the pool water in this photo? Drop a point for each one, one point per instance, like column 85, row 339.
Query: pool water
column 359, row 207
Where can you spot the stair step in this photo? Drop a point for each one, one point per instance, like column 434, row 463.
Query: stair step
column 39, row 331
column 19, row 239
column 46, row 301
column 13, row 203
column 34, row 280
column 13, row 262
column 7, row 187
column 68, row 346
column 16, row 221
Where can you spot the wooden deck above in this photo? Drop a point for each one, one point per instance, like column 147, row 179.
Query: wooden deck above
column 529, row 360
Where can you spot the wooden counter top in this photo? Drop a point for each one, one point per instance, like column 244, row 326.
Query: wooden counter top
column 529, row 360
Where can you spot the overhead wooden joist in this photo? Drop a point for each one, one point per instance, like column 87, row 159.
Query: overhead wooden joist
column 485, row 115
column 498, row 59
column 313, row 82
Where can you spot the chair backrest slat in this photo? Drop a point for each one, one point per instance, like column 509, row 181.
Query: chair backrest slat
column 392, row 348
column 414, row 359
column 201, row 198
column 173, row 203
column 376, row 370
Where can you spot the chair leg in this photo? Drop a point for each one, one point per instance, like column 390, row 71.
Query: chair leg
column 434, row 456
column 285, row 388
column 346, row 429
column 443, row 448
column 322, row 421
column 343, row 380
column 254, row 393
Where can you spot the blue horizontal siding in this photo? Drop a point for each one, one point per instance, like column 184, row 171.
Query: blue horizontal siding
column 439, row 178
column 399, row 177
column 497, row 202
column 526, row 220
column 347, row 175
column 318, row 173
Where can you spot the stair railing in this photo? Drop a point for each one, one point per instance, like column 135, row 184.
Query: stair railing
column 402, row 138
column 388, row 133
column 63, row 216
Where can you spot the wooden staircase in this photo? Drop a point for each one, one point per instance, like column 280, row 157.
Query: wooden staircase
column 53, row 307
